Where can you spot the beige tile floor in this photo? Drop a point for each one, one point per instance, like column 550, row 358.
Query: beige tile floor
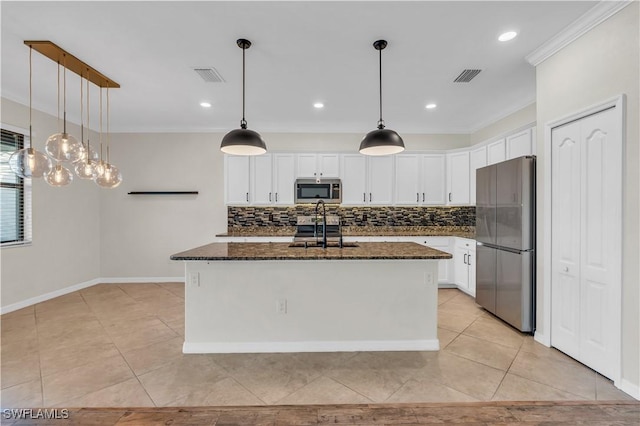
column 120, row 345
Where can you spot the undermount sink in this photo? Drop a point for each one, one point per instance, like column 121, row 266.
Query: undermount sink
column 330, row 244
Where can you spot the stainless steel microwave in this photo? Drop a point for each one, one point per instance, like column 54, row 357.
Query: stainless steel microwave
column 312, row 190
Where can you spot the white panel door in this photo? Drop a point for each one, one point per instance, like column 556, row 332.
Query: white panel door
column 408, row 188
column 586, row 240
column 353, row 169
column 458, row 178
column 380, row 180
column 329, row 165
column 433, row 179
column 477, row 159
column 236, row 180
column 519, row 144
column 496, row 152
column 283, row 178
column 262, row 178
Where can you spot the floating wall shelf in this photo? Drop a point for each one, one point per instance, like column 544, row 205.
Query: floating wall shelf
column 163, row 193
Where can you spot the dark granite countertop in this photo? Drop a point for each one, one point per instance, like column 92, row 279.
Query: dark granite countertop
column 282, row 251
column 360, row 231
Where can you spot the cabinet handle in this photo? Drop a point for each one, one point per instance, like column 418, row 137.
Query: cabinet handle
column 269, row 197
column 247, row 197
column 469, row 259
column 423, row 197
column 369, row 197
column 276, row 197
column 314, row 173
column 465, row 259
column 417, row 197
column 364, row 197
column 320, row 173
column 566, row 269
column 449, row 197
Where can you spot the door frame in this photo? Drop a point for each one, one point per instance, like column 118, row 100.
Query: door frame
column 543, row 331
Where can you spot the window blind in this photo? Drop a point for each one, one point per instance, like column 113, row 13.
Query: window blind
column 15, row 194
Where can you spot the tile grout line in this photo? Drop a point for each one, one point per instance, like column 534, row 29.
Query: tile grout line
column 507, row 371
column 119, row 352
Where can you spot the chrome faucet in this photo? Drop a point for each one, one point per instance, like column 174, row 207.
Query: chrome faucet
column 324, row 224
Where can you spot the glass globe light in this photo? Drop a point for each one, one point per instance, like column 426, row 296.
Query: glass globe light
column 29, row 162
column 93, row 155
column 86, row 169
column 100, row 166
column 111, row 177
column 59, row 176
column 63, row 147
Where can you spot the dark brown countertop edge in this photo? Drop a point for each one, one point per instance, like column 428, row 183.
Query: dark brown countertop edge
column 282, row 251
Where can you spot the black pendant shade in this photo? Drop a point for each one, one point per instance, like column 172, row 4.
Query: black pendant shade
column 381, row 141
column 243, row 141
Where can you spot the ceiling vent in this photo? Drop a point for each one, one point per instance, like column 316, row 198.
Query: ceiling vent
column 209, row 74
column 466, row 76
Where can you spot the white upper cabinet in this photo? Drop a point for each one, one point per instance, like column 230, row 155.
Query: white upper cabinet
column 520, row 144
column 273, row 179
column 236, row 190
column 366, row 180
column 419, row 179
column 477, row 159
column 311, row 165
column 458, row 178
column 496, row 152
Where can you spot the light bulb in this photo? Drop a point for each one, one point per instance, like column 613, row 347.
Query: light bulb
column 63, row 147
column 100, row 167
column 29, row 162
column 59, row 176
column 111, row 177
column 86, row 169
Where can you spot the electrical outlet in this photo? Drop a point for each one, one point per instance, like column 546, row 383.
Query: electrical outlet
column 194, row 279
column 429, row 278
column 281, row 306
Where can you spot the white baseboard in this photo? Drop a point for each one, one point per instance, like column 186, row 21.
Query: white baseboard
column 44, row 297
column 630, row 388
column 313, row 346
column 61, row 292
column 541, row 338
column 122, row 280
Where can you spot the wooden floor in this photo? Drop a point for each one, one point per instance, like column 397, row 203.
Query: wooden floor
column 473, row 413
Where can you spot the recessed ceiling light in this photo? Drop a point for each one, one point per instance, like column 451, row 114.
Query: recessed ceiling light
column 431, row 106
column 205, row 104
column 509, row 35
column 318, row 105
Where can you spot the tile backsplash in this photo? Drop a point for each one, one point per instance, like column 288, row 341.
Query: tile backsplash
column 251, row 217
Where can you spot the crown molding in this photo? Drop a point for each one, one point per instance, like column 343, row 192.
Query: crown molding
column 594, row 16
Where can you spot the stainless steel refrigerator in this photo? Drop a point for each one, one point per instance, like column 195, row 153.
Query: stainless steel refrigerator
column 506, row 236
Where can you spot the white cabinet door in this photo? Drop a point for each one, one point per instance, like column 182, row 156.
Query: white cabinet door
column 458, row 178
column 477, row 159
column 471, row 263
column 283, row 178
column 353, row 169
column 237, row 180
column 380, row 179
column 262, row 180
column 408, row 190
column 496, row 152
column 306, row 165
column 461, row 268
column 519, row 144
column 433, row 179
column 329, row 165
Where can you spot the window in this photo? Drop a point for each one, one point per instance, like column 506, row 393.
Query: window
column 15, row 194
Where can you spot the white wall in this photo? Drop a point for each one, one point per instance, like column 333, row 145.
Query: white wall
column 598, row 66
column 65, row 249
column 510, row 123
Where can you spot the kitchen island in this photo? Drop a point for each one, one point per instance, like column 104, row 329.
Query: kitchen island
column 271, row 297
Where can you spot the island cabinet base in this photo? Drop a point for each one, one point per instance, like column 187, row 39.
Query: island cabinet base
column 311, row 306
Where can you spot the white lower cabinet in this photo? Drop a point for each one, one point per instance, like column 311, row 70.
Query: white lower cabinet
column 464, row 257
column 445, row 267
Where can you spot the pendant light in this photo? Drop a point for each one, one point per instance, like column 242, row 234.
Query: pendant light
column 85, row 168
column 381, row 141
column 63, row 146
column 243, row 141
column 109, row 176
column 29, row 162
